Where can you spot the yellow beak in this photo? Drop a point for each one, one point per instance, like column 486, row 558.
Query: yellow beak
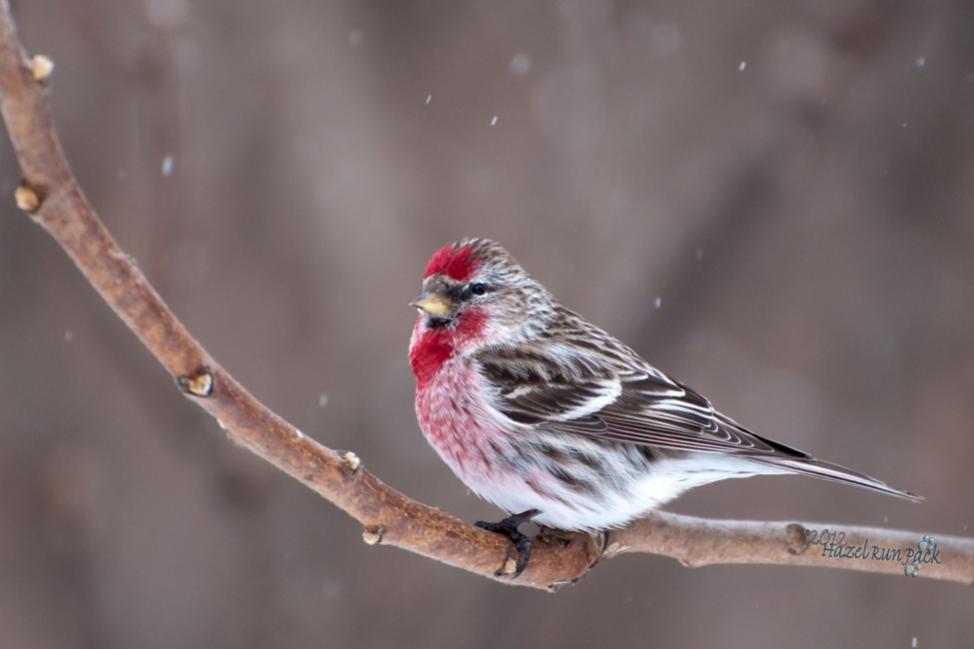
column 435, row 305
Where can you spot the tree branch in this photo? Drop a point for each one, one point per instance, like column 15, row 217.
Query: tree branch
column 54, row 199
column 697, row 542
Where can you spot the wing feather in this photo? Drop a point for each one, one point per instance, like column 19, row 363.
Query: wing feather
column 608, row 392
column 579, row 380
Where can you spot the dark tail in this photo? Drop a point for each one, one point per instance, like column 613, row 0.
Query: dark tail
column 836, row 473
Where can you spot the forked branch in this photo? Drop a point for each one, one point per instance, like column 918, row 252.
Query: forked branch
column 52, row 196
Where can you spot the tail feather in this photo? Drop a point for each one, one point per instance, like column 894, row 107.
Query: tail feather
column 837, row 473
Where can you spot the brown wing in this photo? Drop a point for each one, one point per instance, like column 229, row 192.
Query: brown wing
column 565, row 388
column 569, row 383
column 579, row 380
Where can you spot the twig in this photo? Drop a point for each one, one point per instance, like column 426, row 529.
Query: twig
column 697, row 542
column 54, row 199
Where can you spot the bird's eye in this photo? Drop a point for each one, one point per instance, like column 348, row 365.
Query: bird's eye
column 477, row 289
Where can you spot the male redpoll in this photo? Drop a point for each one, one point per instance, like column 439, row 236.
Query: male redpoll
column 554, row 420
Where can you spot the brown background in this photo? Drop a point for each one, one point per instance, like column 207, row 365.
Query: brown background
column 806, row 222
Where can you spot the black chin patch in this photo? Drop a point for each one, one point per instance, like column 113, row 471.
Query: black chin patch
column 437, row 323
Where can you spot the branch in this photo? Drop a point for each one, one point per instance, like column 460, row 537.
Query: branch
column 697, row 542
column 54, row 199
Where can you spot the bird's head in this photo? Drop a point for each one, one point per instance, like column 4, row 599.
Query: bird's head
column 475, row 292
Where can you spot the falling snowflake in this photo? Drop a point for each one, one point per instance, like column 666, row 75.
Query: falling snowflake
column 520, row 64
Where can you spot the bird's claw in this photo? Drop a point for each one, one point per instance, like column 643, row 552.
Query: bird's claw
column 520, row 542
column 551, row 536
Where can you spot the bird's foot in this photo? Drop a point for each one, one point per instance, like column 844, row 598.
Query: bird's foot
column 553, row 537
column 521, row 543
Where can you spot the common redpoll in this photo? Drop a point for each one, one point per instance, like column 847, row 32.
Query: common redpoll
column 554, row 420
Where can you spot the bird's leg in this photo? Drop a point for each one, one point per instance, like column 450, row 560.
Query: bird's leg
column 508, row 527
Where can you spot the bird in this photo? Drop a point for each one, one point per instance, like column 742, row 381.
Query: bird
column 557, row 422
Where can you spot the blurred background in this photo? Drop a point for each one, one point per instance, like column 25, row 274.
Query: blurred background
column 770, row 200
